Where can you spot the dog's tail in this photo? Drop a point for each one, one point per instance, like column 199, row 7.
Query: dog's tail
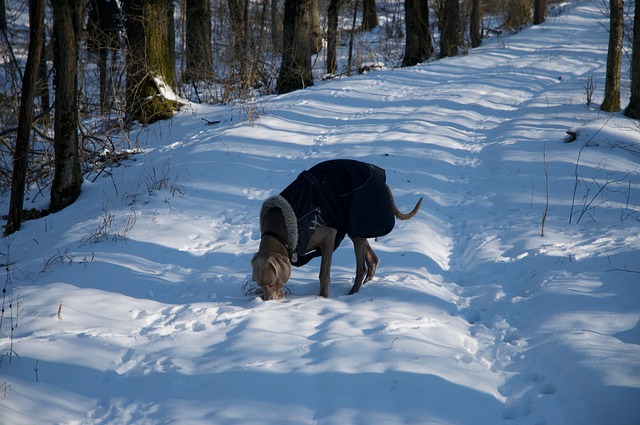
column 399, row 215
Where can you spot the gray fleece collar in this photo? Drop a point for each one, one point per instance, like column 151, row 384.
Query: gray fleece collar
column 290, row 220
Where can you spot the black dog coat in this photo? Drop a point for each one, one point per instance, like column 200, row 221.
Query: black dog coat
column 348, row 195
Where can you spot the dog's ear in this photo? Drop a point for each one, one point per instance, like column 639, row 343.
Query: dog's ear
column 282, row 267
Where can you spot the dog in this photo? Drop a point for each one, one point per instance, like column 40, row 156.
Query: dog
column 311, row 217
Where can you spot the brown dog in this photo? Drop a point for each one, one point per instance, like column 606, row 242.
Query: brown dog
column 311, row 217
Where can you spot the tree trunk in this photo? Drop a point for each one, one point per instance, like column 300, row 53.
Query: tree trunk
column 150, row 59
column 199, row 55
column 103, row 37
column 240, row 48
column 316, row 29
column 29, row 81
column 633, row 109
column 475, row 23
column 518, row 14
column 539, row 11
column 351, row 37
column 611, row 101
column 276, row 27
column 369, row 15
column 449, row 36
column 295, row 70
column 67, row 178
column 3, row 16
column 42, row 90
column 418, row 47
column 332, row 36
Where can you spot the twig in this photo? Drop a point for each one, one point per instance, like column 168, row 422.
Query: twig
column 207, row 122
column 546, row 185
column 601, row 188
column 575, row 186
column 624, row 270
column 4, row 389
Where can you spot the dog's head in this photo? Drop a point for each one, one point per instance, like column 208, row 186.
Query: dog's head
column 271, row 272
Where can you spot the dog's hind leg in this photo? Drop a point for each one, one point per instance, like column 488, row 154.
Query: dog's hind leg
column 360, row 247
column 372, row 262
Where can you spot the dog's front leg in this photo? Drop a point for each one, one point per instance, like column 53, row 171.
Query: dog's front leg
column 324, row 239
column 325, row 271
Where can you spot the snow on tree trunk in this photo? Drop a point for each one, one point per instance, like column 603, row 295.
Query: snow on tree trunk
column 150, row 59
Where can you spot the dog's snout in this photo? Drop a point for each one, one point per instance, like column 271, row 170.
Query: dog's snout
column 273, row 294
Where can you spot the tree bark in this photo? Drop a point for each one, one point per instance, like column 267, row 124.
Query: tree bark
column 539, row 11
column 150, row 59
column 276, row 27
column 369, row 15
column 240, row 49
column 316, row 29
column 199, row 55
column 103, row 37
column 475, row 23
column 332, row 36
column 29, row 81
column 418, row 47
column 67, row 178
column 295, row 70
column 42, row 90
column 450, row 25
column 633, row 109
column 611, row 101
column 3, row 16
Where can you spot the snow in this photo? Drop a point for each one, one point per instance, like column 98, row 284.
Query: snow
column 128, row 306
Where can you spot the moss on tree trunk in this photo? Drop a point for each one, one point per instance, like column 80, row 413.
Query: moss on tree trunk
column 150, row 59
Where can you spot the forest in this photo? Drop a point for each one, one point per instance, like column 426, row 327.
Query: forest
column 74, row 73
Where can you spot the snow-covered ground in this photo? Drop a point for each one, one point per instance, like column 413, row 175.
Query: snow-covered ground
column 128, row 306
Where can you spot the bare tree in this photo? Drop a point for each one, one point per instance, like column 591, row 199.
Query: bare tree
column 539, row 11
column 449, row 28
column 199, row 64
column 3, row 16
column 475, row 23
column 611, row 102
column 42, row 86
column 518, row 14
column 276, row 27
column 29, row 81
column 67, row 178
column 633, row 109
column 332, row 36
column 369, row 15
column 316, row 29
column 418, row 46
column 150, row 59
column 240, row 25
column 295, row 70
column 103, row 37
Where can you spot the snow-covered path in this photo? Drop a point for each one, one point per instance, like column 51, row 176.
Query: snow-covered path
column 473, row 318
